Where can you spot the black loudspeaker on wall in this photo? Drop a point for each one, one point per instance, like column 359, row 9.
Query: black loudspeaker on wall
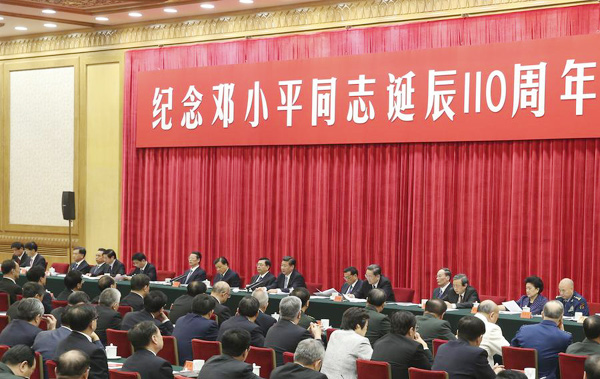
column 68, row 205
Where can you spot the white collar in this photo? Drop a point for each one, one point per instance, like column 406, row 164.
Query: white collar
column 66, row 327
column 100, row 265
column 481, row 317
column 11, row 279
column 143, row 268
column 224, row 273
column 151, row 352
column 442, row 289
column 216, row 298
column 193, row 269
column 290, row 274
column 21, row 256
column 83, row 334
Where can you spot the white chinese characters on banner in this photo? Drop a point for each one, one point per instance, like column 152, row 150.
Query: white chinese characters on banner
column 257, row 100
column 289, row 97
column 578, row 81
column 161, row 106
column 323, row 100
column 439, row 100
column 359, row 111
column 530, row 89
column 400, row 92
column 224, row 103
column 192, row 100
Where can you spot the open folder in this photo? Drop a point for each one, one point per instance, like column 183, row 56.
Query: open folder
column 512, row 306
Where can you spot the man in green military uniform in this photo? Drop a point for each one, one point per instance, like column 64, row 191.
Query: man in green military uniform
column 17, row 363
column 570, row 299
column 304, row 296
column 379, row 324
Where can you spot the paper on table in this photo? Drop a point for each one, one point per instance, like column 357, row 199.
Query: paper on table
column 318, row 297
column 512, row 306
column 354, row 300
column 327, row 293
column 403, row 304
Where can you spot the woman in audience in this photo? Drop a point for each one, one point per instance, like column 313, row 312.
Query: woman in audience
column 532, row 298
column 347, row 345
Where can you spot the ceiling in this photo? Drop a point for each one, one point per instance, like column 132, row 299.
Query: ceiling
column 37, row 18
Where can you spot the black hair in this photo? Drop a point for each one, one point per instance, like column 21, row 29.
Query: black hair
column 267, row 261
column 105, row 282
column 591, row 327
column 72, row 364
column 302, row 294
column 81, row 250
column 354, row 317
column 376, row 297
column 80, row 316
column 16, row 245
column 470, row 328
column 141, row 334
column 110, row 253
column 436, row 306
column 248, row 306
column 401, row 322
column 155, row 301
column 197, row 254
column 511, row 374
column 31, row 289
column 535, row 281
column 8, row 265
column 592, row 367
column 31, row 246
column 376, row 269
column 78, row 297
column 222, row 260
column 235, row 342
column 203, row 304
column 352, row 270
column 196, row 288
column 139, row 257
column 139, row 281
column 290, row 260
column 19, row 354
column 72, row 279
column 36, row 273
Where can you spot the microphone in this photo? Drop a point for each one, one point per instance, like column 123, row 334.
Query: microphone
column 178, row 278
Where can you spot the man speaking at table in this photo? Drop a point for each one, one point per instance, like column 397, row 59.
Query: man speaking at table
column 289, row 277
column 376, row 280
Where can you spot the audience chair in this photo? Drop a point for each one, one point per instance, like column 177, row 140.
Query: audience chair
column 60, row 268
column 329, row 332
column 314, row 287
column 571, row 366
column 120, row 340
column 59, row 303
column 373, row 369
column 169, row 351
column 51, row 366
column 161, row 275
column 288, row 357
column 205, row 349
column 417, row 373
column 38, row 373
column 124, row 309
column 3, row 349
column 4, row 301
column 43, row 325
column 19, row 297
column 4, row 320
column 594, row 308
column 263, row 357
column 209, row 277
column 436, row 345
column 518, row 358
column 496, row 299
column 116, row 374
column 404, row 295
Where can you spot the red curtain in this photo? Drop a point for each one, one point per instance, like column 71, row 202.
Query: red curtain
column 497, row 211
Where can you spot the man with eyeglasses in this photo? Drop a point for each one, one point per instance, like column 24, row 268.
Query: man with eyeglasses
column 376, row 280
column 222, row 292
column 264, row 277
column 352, row 284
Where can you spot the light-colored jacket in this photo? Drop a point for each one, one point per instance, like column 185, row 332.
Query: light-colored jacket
column 343, row 349
column 493, row 340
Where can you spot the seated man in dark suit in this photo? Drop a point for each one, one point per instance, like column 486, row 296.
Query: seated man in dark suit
column 376, row 280
column 153, row 310
column 286, row 334
column 73, row 364
column 183, row 304
column 225, row 274
column 46, row 341
column 19, row 254
column 221, row 292
column 142, row 266
column 462, row 295
column 79, row 262
column 548, row 338
column 147, row 342
column 264, row 278
column 76, row 298
column 591, row 343
column 352, row 284
column 308, row 359
column 432, row 324
column 106, row 281
column 195, row 272
column 82, row 320
column 247, row 313
column 8, row 283
column 403, row 347
column 230, row 364
column 73, row 282
column 101, row 266
column 36, row 259
column 114, row 266
column 263, row 320
column 17, row 363
column 108, row 317
column 444, row 286
column 140, row 286
column 289, row 277
column 30, row 290
column 379, row 323
column 304, row 296
column 25, row 328
column 196, row 325
column 37, row 274
column 463, row 358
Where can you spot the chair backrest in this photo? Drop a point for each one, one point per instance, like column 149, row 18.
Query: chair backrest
column 405, row 295
column 3, row 349
column 161, row 275
column 436, row 344
column 518, row 358
column 594, row 308
column 169, row 351
column 51, row 366
column 417, row 373
column 263, row 357
column 60, row 268
column 242, row 281
column 314, row 287
column 116, row 374
column 4, row 320
column 59, row 303
column 373, row 369
column 19, row 297
column 288, row 357
column 571, row 366
column 205, row 349
column 329, row 332
column 120, row 340
column 496, row 299
column 124, row 309
column 38, row 373
column 4, row 301
column 43, row 325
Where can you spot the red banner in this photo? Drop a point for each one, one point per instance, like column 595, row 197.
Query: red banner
column 541, row 89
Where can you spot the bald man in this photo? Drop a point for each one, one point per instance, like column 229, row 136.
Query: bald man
column 570, row 299
column 493, row 340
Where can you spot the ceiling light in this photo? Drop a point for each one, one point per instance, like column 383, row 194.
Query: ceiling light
column 20, row 28
column 170, row 10
column 135, row 14
column 49, row 11
column 101, row 18
column 246, row 1
column 50, row 25
column 207, row 6
column 1, row 18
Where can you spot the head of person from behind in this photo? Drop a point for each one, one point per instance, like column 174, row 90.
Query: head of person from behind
column 356, row 319
column 310, row 353
column 146, row 335
column 592, row 367
column 21, row 360
column 74, row 364
column 471, row 329
column 236, row 344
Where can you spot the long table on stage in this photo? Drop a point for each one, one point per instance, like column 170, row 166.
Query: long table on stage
column 319, row 308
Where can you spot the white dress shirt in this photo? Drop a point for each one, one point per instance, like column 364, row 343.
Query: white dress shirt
column 493, row 340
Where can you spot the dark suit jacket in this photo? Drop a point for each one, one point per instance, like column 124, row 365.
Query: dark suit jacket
column 39, row 261
column 22, row 262
column 107, row 319
column 98, row 270
column 148, row 365
column 285, row 336
column 384, row 284
column 198, row 275
column 225, row 367
column 77, row 341
column 265, row 322
column 231, row 277
column 47, row 340
column 11, row 288
column 266, row 281
column 586, row 347
column 355, row 290
column 135, row 301
column 181, row 307
column 64, row 295
column 47, row 301
column 223, row 312
column 19, row 332
column 7, row 373
column 295, row 371
column 306, row 320
column 84, row 267
column 431, row 328
column 379, row 324
column 241, row 322
column 296, row 281
column 463, row 361
column 117, row 268
column 193, row 326
column 58, row 313
column 132, row 318
column 443, row 295
column 149, row 270
column 469, row 297
column 402, row 353
column 12, row 310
